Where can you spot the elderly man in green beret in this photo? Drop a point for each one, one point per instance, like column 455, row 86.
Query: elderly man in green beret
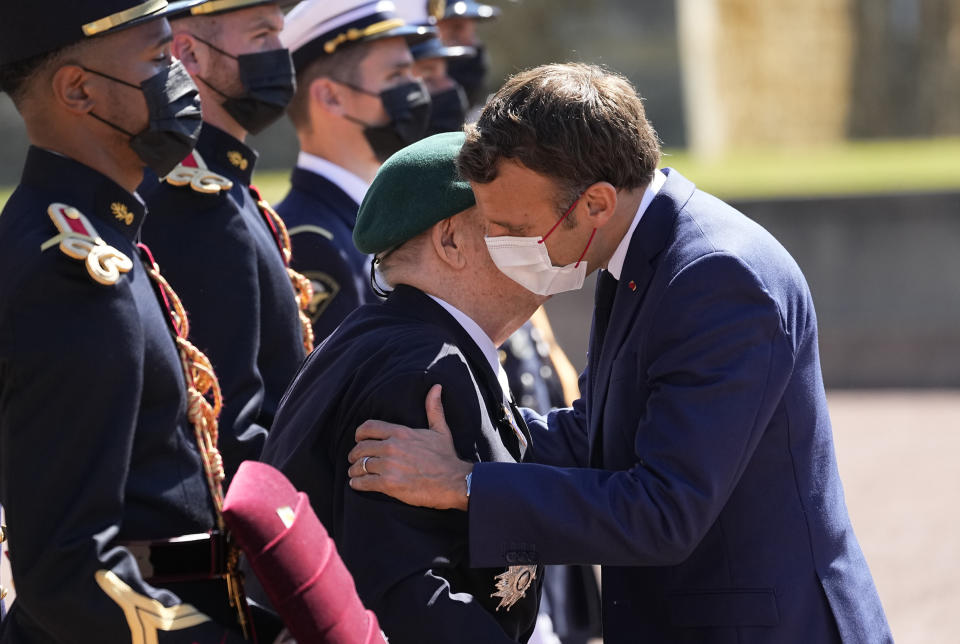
column 449, row 309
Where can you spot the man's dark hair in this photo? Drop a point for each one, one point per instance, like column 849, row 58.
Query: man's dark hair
column 575, row 123
column 15, row 76
column 339, row 66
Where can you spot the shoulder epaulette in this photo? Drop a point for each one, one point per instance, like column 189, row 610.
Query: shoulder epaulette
column 78, row 239
column 193, row 171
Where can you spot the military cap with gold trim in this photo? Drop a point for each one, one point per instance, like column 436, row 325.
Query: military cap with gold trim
column 413, row 190
column 184, row 8
column 316, row 28
column 36, row 28
column 416, row 12
column 463, row 9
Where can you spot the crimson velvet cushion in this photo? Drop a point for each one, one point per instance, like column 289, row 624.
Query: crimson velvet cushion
column 295, row 559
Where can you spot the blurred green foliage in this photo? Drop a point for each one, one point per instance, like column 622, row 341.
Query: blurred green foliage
column 863, row 167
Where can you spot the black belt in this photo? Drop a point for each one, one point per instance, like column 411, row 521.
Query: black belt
column 192, row 557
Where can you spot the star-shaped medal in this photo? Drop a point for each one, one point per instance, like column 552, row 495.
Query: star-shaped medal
column 512, row 584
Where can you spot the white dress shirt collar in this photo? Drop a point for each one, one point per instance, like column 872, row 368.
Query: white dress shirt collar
column 355, row 187
column 480, row 338
column 615, row 265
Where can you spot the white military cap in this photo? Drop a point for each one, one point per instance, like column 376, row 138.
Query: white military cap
column 316, row 28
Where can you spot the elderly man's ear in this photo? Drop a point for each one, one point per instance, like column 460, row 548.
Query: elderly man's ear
column 449, row 237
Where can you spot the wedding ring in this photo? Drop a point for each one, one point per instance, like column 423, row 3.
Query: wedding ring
column 363, row 464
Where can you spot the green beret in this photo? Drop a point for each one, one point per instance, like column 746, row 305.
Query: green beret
column 414, row 189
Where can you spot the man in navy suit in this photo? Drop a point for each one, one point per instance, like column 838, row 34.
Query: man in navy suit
column 698, row 466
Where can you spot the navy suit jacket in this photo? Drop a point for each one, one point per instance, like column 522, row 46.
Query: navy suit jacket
column 320, row 218
column 698, row 466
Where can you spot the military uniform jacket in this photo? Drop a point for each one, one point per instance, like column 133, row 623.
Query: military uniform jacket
column 95, row 446
column 698, row 466
column 320, row 218
column 410, row 564
column 221, row 258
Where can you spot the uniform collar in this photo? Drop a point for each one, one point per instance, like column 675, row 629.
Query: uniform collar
column 226, row 155
column 355, row 187
column 475, row 345
column 92, row 193
column 481, row 339
column 615, row 265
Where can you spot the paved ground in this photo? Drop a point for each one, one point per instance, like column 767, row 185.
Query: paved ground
column 898, row 455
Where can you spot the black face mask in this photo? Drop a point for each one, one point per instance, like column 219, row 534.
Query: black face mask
column 470, row 72
column 408, row 107
column 448, row 111
column 173, row 105
column 269, row 82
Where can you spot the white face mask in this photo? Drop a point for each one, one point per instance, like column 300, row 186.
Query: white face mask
column 526, row 261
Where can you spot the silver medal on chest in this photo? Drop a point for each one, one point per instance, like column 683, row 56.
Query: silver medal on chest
column 513, row 583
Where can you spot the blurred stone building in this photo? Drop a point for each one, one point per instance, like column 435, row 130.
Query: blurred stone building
column 775, row 72
column 780, row 72
column 745, row 73
column 907, row 68
column 720, row 73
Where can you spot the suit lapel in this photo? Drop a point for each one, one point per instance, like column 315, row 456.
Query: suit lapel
column 649, row 239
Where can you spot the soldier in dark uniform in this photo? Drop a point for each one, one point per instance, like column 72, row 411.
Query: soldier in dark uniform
column 440, row 325
column 108, row 441
column 448, row 101
column 356, row 103
column 221, row 245
column 458, row 27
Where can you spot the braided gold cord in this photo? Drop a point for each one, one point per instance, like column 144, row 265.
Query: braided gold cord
column 282, row 227
column 202, row 387
column 302, row 288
